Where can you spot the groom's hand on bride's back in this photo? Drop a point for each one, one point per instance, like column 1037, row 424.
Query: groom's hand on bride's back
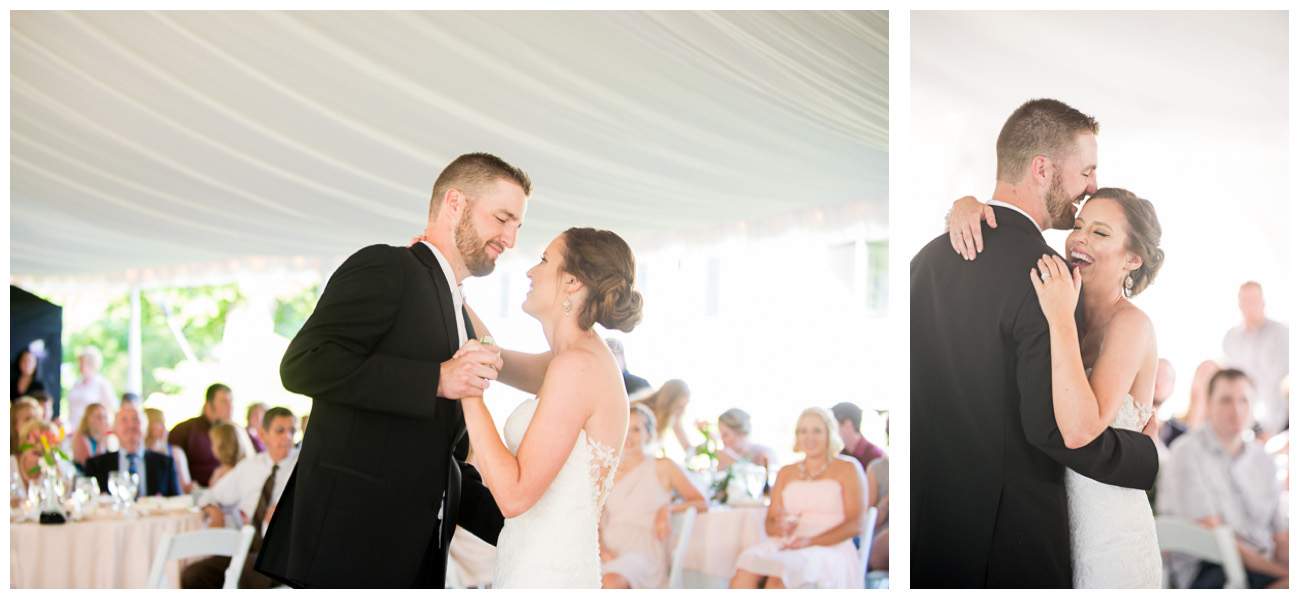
column 468, row 371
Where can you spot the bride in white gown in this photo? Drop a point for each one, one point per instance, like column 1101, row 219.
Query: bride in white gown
column 551, row 475
column 1103, row 375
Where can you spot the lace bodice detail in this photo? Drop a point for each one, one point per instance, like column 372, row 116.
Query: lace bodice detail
column 603, row 464
column 555, row 544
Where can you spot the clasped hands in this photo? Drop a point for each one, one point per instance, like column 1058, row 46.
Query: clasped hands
column 469, row 371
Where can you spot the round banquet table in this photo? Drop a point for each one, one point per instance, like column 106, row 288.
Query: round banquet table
column 99, row 553
column 718, row 538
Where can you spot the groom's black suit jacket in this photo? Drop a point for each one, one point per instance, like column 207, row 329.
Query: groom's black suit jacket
column 360, row 509
column 988, row 462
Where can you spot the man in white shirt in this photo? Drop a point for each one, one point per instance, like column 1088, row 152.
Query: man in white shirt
column 1218, row 475
column 249, row 491
column 1259, row 346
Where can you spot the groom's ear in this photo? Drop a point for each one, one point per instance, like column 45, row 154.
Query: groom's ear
column 1039, row 168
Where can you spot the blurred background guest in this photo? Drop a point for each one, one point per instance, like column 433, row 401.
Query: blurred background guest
column 634, row 526
column 816, row 511
column 91, row 438
column 878, row 496
column 636, row 386
column 21, row 412
column 668, row 405
column 191, row 435
column 157, row 471
column 131, row 398
column 25, row 377
column 1197, row 399
column 256, row 411
column 225, row 446
column 91, row 387
column 1163, row 390
column 1259, row 347
column 1218, row 474
column 155, row 438
column 848, row 418
column 251, row 490
column 733, row 430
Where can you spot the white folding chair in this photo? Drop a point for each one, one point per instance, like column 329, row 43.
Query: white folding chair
column 683, row 526
column 221, row 542
column 1218, row 545
column 864, row 548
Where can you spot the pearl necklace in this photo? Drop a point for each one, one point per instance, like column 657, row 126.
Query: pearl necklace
column 803, row 472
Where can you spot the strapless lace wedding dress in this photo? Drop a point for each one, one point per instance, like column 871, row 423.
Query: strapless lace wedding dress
column 1112, row 532
column 555, row 543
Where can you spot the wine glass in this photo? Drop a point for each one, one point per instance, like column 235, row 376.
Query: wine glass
column 84, row 490
column 114, row 489
column 789, row 523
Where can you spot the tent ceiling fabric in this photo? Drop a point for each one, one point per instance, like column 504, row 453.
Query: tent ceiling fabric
column 144, row 139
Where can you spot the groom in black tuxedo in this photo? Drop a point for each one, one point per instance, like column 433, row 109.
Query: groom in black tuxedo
column 988, row 491
column 381, row 483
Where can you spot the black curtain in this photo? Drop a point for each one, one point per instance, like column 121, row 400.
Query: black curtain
column 30, row 319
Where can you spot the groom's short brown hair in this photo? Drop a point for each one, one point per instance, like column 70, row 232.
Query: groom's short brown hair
column 469, row 172
column 1042, row 127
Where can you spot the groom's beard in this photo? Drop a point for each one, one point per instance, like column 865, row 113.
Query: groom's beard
column 1059, row 205
column 472, row 248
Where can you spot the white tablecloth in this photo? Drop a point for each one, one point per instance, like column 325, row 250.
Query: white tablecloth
column 717, row 540
column 100, row 554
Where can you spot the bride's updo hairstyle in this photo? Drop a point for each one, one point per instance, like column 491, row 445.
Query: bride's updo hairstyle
column 1143, row 236
column 604, row 264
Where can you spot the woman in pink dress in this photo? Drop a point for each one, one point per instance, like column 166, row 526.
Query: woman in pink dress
column 817, row 509
column 634, row 524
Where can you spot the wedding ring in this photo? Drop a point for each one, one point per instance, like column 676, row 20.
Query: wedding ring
column 1045, row 275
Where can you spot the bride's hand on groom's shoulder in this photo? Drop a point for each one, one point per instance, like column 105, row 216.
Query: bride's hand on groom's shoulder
column 964, row 225
column 468, row 372
column 1057, row 288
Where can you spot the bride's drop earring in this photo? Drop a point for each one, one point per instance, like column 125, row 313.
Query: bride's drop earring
column 1128, row 285
column 567, row 307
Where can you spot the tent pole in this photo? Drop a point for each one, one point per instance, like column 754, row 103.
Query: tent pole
column 135, row 371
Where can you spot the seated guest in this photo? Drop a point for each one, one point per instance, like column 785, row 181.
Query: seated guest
column 157, row 471
column 21, row 412
column 25, row 379
column 252, row 490
column 817, row 509
column 256, row 411
column 733, row 429
column 191, row 435
column 91, row 438
column 668, row 405
column 1218, row 474
column 878, row 496
column 1194, row 414
column 225, row 446
column 155, row 438
column 634, row 525
column 848, row 418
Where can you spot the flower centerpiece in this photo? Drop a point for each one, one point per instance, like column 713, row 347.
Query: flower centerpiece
column 705, row 461
column 51, row 505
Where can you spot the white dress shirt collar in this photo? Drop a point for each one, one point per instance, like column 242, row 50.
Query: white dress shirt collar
column 1017, row 209
column 457, row 291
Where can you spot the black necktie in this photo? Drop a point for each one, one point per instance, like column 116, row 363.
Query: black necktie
column 133, row 469
column 263, row 504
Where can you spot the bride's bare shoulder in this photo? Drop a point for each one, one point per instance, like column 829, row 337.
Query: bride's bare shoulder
column 1132, row 320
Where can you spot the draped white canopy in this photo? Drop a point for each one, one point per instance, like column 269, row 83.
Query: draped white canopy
column 149, row 139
